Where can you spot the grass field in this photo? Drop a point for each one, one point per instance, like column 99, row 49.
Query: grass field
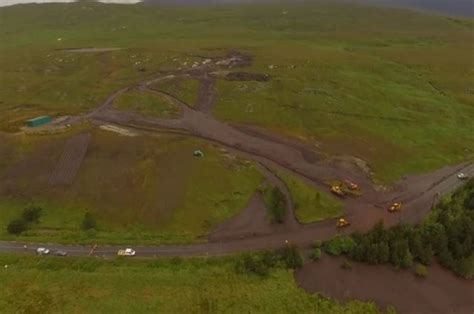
column 310, row 204
column 147, row 104
column 84, row 285
column 141, row 189
column 186, row 90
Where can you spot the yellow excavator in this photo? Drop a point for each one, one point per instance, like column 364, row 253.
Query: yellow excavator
column 395, row 207
column 336, row 189
column 351, row 185
column 342, row 222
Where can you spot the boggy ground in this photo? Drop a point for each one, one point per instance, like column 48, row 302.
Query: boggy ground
column 441, row 292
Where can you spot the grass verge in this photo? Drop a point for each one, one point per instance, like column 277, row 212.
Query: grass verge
column 311, row 205
column 88, row 285
column 147, row 104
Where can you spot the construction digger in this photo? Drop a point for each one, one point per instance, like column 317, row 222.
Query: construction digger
column 342, row 222
column 351, row 185
column 336, row 189
column 395, row 207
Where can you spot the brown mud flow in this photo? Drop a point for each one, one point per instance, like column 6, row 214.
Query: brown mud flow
column 441, row 292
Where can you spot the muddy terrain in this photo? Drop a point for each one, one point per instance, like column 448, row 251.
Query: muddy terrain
column 441, row 292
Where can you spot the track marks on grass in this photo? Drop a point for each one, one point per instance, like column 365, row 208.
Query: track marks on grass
column 70, row 160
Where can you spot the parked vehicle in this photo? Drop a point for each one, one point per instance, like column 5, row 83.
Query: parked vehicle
column 42, row 251
column 462, row 176
column 395, row 207
column 342, row 222
column 336, row 189
column 126, row 252
column 351, row 185
column 59, row 253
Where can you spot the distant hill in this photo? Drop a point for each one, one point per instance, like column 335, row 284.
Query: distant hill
column 449, row 7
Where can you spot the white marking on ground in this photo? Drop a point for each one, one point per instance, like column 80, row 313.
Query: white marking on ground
column 119, row 130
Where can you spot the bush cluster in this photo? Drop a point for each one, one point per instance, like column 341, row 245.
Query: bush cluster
column 88, row 222
column 262, row 263
column 276, row 202
column 29, row 216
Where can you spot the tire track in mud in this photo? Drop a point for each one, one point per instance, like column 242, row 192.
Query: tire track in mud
column 206, row 94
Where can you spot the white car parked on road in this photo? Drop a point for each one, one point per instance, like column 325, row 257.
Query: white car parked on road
column 42, row 251
column 126, row 252
column 462, row 176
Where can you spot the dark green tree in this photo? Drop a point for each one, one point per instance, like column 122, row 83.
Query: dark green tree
column 88, row 222
column 276, row 203
column 31, row 214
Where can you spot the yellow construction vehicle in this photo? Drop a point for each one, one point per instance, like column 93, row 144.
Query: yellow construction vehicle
column 351, row 185
column 336, row 189
column 395, row 207
column 342, row 222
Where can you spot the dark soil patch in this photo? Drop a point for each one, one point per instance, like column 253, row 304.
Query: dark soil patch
column 245, row 76
column 252, row 221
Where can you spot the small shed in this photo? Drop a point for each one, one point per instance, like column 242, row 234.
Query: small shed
column 38, row 121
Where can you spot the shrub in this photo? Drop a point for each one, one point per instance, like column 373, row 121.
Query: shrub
column 465, row 267
column 339, row 245
column 346, row 265
column 407, row 260
column 17, row 226
column 316, row 254
column 276, row 204
column 88, row 222
column 317, row 244
column 291, row 257
column 31, row 214
column 253, row 263
column 261, row 264
column 420, row 270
